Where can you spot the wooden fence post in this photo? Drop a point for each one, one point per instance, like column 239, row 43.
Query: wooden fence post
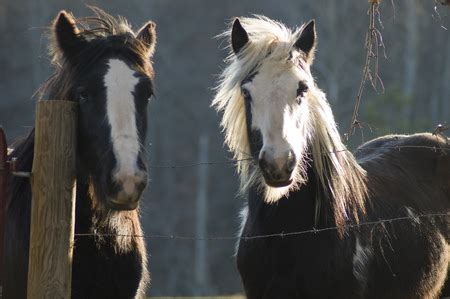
column 53, row 205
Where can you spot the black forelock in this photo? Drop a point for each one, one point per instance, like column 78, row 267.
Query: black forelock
column 60, row 84
column 106, row 37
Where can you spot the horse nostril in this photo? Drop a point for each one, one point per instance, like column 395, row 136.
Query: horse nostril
column 263, row 165
column 290, row 168
column 115, row 187
column 141, row 186
column 268, row 169
column 291, row 163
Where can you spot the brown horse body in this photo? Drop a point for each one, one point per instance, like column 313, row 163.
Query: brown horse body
column 408, row 176
column 382, row 214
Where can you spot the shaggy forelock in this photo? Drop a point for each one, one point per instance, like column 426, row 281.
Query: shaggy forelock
column 100, row 25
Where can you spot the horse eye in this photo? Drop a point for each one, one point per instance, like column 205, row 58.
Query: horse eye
column 245, row 93
column 302, row 89
column 83, row 95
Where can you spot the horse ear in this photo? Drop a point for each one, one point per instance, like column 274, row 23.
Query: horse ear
column 66, row 34
column 147, row 35
column 239, row 37
column 306, row 42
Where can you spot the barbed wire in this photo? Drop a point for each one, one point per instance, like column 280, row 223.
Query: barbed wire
column 187, row 165
column 232, row 162
column 347, row 227
column 252, row 160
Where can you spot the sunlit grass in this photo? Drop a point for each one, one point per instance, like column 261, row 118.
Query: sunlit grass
column 203, row 297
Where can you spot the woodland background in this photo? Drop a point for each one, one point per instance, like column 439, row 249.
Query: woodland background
column 183, row 129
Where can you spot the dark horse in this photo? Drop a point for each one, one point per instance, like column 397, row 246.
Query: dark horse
column 105, row 67
column 305, row 178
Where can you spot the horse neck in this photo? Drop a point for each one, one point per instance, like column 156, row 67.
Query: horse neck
column 311, row 206
column 296, row 211
column 88, row 219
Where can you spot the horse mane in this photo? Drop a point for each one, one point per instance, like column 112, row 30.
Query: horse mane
column 101, row 27
column 341, row 180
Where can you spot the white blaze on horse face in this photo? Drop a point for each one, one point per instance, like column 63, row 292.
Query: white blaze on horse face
column 276, row 112
column 120, row 83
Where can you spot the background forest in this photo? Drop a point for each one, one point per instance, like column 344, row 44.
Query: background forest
column 183, row 129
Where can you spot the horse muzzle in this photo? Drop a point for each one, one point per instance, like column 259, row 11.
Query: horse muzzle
column 127, row 191
column 277, row 171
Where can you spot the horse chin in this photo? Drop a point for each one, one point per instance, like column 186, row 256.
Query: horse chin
column 114, row 205
column 279, row 184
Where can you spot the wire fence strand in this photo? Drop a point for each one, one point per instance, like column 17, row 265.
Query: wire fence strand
column 435, row 149
column 347, row 227
column 232, row 162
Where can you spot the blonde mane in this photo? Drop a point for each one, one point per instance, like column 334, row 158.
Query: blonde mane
column 337, row 171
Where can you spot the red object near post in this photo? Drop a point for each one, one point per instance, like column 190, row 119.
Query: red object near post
column 3, row 178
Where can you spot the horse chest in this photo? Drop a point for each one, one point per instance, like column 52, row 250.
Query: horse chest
column 304, row 265
column 93, row 269
column 100, row 262
column 296, row 267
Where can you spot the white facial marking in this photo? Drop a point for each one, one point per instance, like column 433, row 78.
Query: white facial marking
column 120, row 83
column 361, row 260
column 275, row 111
column 278, row 115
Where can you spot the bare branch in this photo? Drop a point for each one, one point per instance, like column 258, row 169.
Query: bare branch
column 374, row 41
